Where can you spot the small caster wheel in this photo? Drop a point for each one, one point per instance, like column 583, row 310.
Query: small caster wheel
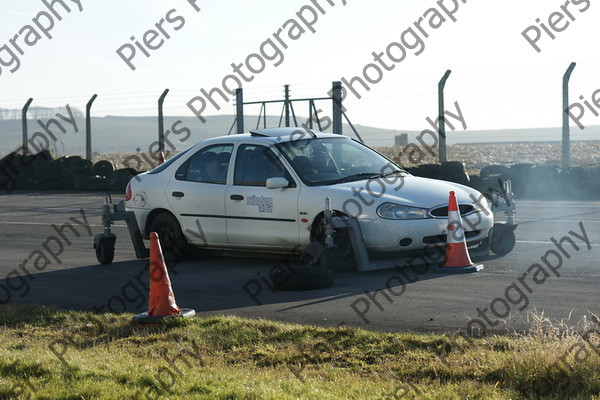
column 104, row 244
column 503, row 239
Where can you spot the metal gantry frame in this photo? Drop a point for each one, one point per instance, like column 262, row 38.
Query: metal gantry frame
column 288, row 114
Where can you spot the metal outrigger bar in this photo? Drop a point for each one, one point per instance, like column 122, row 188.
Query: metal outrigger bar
column 504, row 200
column 104, row 243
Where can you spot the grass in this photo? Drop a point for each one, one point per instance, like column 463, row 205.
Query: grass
column 50, row 354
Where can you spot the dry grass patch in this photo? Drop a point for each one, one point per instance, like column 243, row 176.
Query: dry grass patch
column 47, row 353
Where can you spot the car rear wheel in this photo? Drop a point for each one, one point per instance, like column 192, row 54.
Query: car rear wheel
column 171, row 237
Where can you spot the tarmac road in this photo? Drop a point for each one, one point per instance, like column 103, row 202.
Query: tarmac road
column 40, row 266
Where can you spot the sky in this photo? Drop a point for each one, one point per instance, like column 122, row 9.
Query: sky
column 498, row 77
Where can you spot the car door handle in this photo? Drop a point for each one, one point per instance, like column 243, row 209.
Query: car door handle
column 177, row 194
column 236, row 197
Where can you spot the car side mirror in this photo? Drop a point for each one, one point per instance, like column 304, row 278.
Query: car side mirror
column 277, row 183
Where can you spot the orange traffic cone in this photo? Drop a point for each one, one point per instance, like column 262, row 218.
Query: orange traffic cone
column 457, row 254
column 161, row 303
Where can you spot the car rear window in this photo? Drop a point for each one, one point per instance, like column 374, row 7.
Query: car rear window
column 170, row 161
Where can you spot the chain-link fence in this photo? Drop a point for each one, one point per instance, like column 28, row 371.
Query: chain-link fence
column 119, row 139
column 476, row 148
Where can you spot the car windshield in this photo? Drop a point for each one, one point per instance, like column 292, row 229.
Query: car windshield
column 327, row 161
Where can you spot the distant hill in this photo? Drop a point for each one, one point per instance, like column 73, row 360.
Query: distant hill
column 113, row 134
column 126, row 134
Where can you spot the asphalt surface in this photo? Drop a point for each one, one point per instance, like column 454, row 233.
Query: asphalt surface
column 38, row 265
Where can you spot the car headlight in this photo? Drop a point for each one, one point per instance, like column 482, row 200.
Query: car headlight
column 398, row 211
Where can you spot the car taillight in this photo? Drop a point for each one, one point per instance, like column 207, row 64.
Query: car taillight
column 128, row 192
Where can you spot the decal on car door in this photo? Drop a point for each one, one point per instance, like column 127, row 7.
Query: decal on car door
column 264, row 203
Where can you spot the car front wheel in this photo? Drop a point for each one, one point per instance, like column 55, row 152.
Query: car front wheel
column 342, row 257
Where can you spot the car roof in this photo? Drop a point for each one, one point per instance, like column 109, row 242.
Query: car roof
column 275, row 135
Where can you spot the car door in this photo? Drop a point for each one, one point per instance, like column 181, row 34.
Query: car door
column 197, row 195
column 258, row 216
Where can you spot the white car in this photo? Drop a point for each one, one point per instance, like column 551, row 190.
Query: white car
column 265, row 191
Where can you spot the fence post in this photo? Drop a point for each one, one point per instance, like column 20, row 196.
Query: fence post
column 287, row 104
column 566, row 133
column 24, row 122
column 161, row 122
column 88, row 128
column 336, row 91
column 442, row 118
column 239, row 109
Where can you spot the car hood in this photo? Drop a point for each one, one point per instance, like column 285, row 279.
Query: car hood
column 410, row 191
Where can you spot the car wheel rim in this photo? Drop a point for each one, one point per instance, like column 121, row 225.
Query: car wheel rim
column 343, row 246
column 166, row 236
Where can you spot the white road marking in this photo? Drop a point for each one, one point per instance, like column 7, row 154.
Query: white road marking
column 70, row 209
column 46, row 223
column 524, row 220
column 562, row 205
column 546, row 242
column 86, row 239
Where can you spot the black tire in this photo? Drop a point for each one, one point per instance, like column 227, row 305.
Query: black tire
column 80, row 167
column 120, row 178
column 127, row 173
column 476, row 182
column 493, row 170
column 70, row 162
column 80, row 182
column 503, row 240
column 103, row 168
column 341, row 259
column 433, row 171
column 317, row 255
column 302, row 278
column 97, row 183
column 105, row 251
column 171, row 237
column 50, row 169
column 454, row 167
column 462, row 178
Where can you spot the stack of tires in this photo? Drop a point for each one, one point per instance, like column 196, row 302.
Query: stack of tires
column 53, row 175
column 489, row 176
column 16, row 169
column 102, row 175
column 528, row 180
column 43, row 172
column 426, row 170
column 96, row 178
column 453, row 171
column 539, row 181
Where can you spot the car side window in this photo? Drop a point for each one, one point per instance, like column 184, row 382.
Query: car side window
column 208, row 165
column 255, row 164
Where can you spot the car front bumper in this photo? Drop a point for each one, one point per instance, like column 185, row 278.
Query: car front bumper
column 392, row 236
